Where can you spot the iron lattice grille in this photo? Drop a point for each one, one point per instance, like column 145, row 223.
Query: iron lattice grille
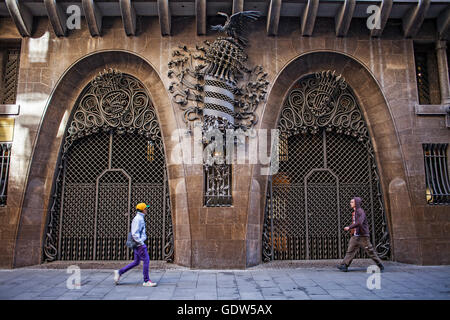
column 423, row 85
column 10, row 76
column 104, row 173
column 326, row 159
column 218, row 185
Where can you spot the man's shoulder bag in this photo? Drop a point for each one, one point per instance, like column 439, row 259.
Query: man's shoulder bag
column 131, row 243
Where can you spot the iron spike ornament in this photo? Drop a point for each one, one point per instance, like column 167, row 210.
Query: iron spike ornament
column 212, row 83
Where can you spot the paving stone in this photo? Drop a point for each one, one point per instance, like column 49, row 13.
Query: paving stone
column 233, row 297
column 187, row 284
column 322, row 297
column 398, row 282
column 315, row 291
column 205, row 296
column 251, row 296
column 54, row 292
column 339, row 293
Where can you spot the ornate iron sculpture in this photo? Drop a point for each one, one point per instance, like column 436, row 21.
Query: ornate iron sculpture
column 235, row 97
column 325, row 159
column 214, row 86
column 112, row 158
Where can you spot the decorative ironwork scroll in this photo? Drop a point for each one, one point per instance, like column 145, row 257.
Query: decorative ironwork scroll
column 326, row 158
column 113, row 101
column 112, row 158
column 213, row 86
column 198, row 89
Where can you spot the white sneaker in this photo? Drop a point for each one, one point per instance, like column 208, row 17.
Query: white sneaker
column 116, row 276
column 149, row 284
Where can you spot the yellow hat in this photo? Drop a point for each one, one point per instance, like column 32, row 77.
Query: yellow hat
column 141, row 206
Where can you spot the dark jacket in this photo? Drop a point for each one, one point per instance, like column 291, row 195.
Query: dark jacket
column 361, row 224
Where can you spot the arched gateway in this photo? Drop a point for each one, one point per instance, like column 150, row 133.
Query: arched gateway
column 112, row 158
column 325, row 159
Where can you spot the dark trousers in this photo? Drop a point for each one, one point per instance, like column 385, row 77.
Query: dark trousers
column 353, row 247
column 140, row 253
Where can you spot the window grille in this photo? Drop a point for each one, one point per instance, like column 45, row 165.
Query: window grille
column 218, row 185
column 427, row 74
column 423, row 85
column 5, row 158
column 436, row 173
column 10, row 75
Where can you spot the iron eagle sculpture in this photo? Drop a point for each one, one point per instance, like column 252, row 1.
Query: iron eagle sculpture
column 235, row 25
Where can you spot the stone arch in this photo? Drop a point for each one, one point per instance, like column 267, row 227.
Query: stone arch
column 380, row 125
column 41, row 173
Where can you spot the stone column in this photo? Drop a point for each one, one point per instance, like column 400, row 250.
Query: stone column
column 441, row 53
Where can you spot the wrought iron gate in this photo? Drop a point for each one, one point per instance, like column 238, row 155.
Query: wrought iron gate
column 112, row 159
column 325, row 159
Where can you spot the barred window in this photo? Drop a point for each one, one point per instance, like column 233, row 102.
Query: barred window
column 10, row 72
column 427, row 73
column 5, row 157
column 436, row 173
column 218, row 185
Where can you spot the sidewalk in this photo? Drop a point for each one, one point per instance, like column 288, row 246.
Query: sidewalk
column 298, row 280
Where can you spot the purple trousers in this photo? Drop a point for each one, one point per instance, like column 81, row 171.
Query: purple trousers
column 140, row 253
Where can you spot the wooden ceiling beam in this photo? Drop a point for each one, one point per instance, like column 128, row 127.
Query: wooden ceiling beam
column 273, row 17
column 128, row 14
column 22, row 17
column 164, row 17
column 238, row 6
column 344, row 17
column 413, row 19
column 57, row 17
column 93, row 17
column 385, row 12
column 200, row 16
column 309, row 17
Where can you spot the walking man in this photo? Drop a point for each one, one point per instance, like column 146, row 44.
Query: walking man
column 140, row 251
column 360, row 237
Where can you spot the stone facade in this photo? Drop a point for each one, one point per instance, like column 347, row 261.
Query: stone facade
column 381, row 72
